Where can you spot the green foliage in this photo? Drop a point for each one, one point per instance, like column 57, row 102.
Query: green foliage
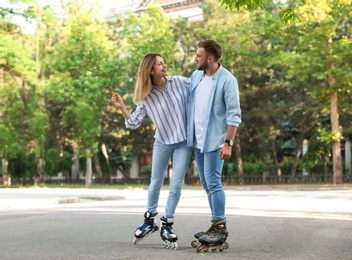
column 287, row 13
column 76, row 87
column 22, row 166
column 253, row 169
column 283, row 74
column 120, row 159
column 55, row 163
column 16, row 58
column 286, row 166
column 328, row 137
column 288, row 16
column 146, row 170
column 150, row 32
column 251, row 5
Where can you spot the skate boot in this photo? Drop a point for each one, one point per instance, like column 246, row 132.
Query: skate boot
column 167, row 235
column 196, row 243
column 215, row 239
column 149, row 226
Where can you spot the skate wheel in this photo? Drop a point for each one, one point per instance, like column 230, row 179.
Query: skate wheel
column 175, row 246
column 194, row 243
column 134, row 241
column 213, row 249
column 225, row 245
column 199, row 248
column 165, row 244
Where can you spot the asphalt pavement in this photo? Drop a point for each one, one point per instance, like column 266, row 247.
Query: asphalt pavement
column 264, row 222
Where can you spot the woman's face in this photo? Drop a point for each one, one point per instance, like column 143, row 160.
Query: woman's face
column 159, row 67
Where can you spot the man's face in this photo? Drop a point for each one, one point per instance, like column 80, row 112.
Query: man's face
column 201, row 59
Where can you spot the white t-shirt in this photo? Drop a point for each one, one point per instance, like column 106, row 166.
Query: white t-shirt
column 201, row 103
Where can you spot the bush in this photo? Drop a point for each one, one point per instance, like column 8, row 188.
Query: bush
column 146, row 170
column 253, row 169
column 55, row 163
column 286, row 166
column 23, row 166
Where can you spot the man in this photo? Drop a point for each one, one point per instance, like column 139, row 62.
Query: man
column 214, row 115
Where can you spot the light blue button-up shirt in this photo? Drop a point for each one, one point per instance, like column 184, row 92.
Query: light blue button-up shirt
column 223, row 109
column 167, row 109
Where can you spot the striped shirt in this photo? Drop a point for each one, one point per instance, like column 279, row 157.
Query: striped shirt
column 167, row 109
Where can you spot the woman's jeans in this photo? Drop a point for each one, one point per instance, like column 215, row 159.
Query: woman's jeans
column 181, row 154
column 210, row 169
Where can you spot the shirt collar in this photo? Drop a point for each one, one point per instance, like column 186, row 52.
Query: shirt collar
column 215, row 76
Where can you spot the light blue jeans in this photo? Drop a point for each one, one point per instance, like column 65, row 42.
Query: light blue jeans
column 210, row 169
column 162, row 153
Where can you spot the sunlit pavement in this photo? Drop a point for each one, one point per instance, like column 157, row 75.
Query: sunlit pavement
column 264, row 222
column 314, row 201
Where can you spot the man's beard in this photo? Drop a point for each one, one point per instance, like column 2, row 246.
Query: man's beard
column 203, row 66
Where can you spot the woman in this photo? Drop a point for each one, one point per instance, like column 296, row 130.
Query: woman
column 164, row 100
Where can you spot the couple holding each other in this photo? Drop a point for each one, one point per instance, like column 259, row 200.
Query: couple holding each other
column 202, row 112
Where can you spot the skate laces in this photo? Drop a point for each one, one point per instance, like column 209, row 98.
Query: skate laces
column 210, row 231
column 215, row 229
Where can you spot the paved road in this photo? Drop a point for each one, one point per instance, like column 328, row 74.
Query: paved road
column 279, row 222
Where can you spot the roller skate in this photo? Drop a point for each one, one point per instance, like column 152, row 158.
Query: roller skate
column 167, row 235
column 196, row 243
column 149, row 226
column 215, row 238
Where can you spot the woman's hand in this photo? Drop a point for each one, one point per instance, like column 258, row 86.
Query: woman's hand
column 117, row 100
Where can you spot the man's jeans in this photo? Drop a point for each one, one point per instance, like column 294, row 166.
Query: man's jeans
column 210, row 168
column 181, row 154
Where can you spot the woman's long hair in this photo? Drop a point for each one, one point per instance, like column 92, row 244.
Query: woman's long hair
column 144, row 81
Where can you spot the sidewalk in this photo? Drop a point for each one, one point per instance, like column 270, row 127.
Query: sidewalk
column 297, row 187
column 29, row 198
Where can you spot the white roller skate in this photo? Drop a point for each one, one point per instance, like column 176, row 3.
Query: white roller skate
column 149, row 226
column 167, row 235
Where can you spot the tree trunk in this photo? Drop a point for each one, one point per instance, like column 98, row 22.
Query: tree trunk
column 276, row 163
column 75, row 167
column 265, row 169
column 124, row 173
column 336, row 145
column 238, row 154
column 296, row 159
column 89, row 172
column 6, row 180
column 98, row 167
column 325, row 161
column 40, row 164
column 134, row 171
column 105, row 153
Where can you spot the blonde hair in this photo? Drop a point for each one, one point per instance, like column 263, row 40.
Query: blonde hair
column 144, row 81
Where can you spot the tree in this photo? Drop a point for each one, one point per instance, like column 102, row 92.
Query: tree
column 18, row 93
column 319, row 49
column 76, row 88
column 285, row 8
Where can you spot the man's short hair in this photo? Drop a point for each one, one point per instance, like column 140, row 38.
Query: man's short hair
column 211, row 48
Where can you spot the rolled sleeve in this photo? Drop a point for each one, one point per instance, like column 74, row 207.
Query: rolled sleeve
column 232, row 100
column 136, row 117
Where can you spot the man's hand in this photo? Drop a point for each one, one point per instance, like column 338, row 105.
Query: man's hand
column 225, row 152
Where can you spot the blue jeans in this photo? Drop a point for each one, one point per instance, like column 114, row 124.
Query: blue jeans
column 210, row 169
column 181, row 154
